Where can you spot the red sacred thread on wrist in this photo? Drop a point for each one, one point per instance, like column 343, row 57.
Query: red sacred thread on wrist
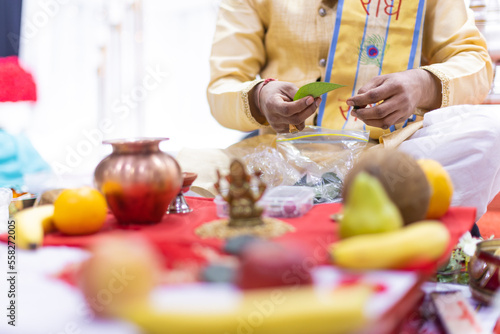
column 265, row 82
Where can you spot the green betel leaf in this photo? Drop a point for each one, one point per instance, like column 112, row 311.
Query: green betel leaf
column 315, row 89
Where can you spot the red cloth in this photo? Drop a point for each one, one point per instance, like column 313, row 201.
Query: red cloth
column 16, row 84
column 175, row 238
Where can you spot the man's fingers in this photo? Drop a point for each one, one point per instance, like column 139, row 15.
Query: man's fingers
column 382, row 116
column 372, row 84
column 300, row 126
column 279, row 109
column 390, row 120
column 385, row 123
column 280, row 123
column 289, row 92
column 287, row 109
column 377, row 112
column 375, row 95
column 281, row 128
column 302, row 116
column 374, row 91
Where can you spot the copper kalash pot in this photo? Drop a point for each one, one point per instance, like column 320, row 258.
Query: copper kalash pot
column 138, row 180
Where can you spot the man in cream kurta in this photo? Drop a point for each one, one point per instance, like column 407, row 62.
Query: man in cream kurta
column 398, row 59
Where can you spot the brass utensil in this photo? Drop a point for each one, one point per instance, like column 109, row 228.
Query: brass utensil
column 179, row 204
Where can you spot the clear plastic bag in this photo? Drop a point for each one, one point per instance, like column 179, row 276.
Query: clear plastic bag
column 272, row 165
column 315, row 157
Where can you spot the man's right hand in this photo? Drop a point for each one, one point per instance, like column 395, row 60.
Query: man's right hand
column 278, row 108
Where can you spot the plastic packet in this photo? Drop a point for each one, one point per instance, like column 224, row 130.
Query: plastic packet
column 272, row 165
column 287, row 201
column 323, row 157
column 316, row 157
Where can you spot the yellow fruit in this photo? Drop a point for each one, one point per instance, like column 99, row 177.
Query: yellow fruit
column 420, row 242
column 31, row 224
column 80, row 211
column 267, row 311
column 441, row 188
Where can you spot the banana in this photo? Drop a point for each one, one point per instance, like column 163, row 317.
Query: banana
column 31, row 224
column 420, row 242
column 270, row 311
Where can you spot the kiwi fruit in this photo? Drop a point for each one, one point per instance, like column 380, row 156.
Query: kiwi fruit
column 402, row 178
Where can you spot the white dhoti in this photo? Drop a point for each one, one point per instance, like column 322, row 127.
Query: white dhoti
column 465, row 139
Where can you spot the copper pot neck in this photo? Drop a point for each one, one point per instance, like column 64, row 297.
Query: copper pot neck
column 138, row 145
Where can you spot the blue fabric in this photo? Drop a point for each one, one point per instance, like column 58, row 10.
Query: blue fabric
column 357, row 69
column 416, row 33
column 331, row 57
column 18, row 157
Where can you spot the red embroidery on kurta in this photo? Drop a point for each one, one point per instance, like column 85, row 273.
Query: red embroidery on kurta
column 365, row 5
column 388, row 9
column 343, row 111
column 391, row 7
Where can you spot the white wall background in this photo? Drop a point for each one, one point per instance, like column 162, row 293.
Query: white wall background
column 90, row 59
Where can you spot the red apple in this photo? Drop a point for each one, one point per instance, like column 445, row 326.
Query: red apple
column 266, row 264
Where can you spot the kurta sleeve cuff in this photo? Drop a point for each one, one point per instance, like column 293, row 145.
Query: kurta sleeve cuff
column 445, row 84
column 246, row 104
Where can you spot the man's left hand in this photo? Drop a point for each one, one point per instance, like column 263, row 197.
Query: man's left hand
column 397, row 95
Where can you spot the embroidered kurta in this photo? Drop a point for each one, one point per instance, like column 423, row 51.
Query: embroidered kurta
column 296, row 41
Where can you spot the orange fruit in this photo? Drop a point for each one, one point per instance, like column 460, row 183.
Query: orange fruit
column 80, row 211
column 441, row 188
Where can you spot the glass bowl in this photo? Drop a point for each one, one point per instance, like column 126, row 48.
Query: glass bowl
column 483, row 271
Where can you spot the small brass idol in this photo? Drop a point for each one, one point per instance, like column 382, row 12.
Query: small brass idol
column 244, row 215
column 243, row 211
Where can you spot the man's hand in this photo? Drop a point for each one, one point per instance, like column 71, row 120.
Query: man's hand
column 278, row 108
column 401, row 94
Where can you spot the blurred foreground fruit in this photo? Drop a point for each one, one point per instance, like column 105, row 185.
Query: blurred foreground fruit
column 266, row 264
column 402, row 178
column 218, row 273
column 420, row 242
column 266, row 311
column 31, row 224
column 80, row 211
column 441, row 188
column 368, row 209
column 122, row 271
column 236, row 245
